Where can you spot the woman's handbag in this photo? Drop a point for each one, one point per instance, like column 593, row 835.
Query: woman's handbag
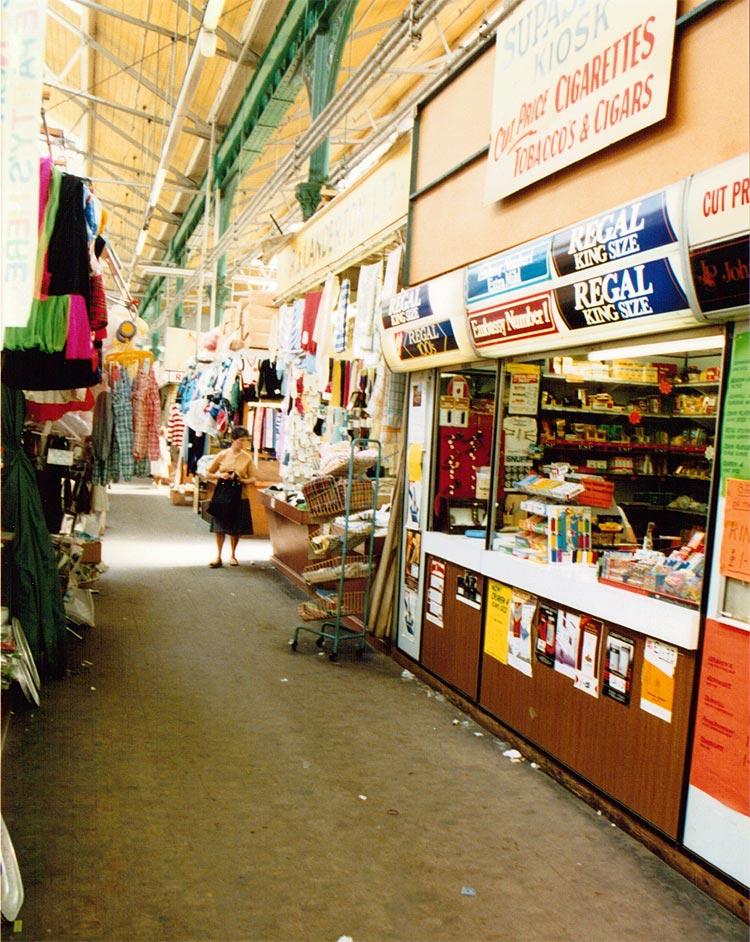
column 227, row 499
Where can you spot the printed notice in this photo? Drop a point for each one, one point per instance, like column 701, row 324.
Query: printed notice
column 657, row 679
column 499, row 598
column 545, row 635
column 524, row 388
column 618, row 669
column 435, row 592
column 468, row 589
column 720, row 754
column 587, row 665
column 522, row 611
column 412, row 550
column 735, row 455
column 566, row 642
column 734, row 559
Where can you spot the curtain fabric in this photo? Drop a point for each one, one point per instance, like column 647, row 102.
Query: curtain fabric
column 36, row 596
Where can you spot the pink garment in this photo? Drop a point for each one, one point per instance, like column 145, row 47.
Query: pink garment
column 78, row 346
column 45, row 176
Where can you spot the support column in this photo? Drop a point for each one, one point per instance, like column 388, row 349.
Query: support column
column 321, row 72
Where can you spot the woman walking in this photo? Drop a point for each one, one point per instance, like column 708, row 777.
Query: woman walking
column 234, row 471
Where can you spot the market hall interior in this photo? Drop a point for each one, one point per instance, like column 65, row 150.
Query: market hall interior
column 195, row 779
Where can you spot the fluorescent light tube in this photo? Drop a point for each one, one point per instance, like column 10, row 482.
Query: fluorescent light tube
column 159, row 180
column 140, row 244
column 673, row 347
column 212, row 14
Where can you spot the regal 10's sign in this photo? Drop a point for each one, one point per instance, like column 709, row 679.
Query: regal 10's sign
column 573, row 77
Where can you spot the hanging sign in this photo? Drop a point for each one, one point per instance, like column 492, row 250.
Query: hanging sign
column 526, row 317
column 618, row 233
column 570, row 80
column 508, row 271
column 427, row 341
column 718, row 214
column 637, row 291
column 604, row 275
column 425, row 326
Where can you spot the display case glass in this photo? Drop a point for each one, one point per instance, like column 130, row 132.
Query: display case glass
column 609, row 461
column 465, row 417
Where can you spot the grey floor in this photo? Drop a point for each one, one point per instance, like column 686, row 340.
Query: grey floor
column 200, row 781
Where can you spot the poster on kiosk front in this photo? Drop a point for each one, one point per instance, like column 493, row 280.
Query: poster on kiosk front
column 420, row 397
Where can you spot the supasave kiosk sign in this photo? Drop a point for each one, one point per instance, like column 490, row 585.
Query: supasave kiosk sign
column 573, row 77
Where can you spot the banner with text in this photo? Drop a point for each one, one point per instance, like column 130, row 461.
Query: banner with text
column 603, row 275
column 589, row 73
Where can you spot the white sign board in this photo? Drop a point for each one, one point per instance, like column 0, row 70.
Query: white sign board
column 571, row 79
column 20, row 97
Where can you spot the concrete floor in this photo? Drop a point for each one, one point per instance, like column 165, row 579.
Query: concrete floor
column 200, row 781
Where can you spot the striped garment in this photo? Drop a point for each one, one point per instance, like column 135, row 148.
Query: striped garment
column 175, row 426
column 339, row 340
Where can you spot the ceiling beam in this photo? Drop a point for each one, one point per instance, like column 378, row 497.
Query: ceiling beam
column 124, row 67
column 169, row 184
column 250, row 57
column 144, row 115
column 196, row 11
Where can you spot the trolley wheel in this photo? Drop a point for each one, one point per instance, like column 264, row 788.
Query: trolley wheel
column 293, row 645
column 320, row 642
column 333, row 656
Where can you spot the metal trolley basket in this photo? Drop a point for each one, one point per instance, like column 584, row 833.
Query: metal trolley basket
column 328, row 497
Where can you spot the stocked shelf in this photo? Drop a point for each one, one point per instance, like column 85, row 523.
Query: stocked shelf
column 578, row 410
column 619, row 446
column 609, row 381
column 629, row 476
column 662, row 507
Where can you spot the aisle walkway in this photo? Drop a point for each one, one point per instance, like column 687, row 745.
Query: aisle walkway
column 200, row 781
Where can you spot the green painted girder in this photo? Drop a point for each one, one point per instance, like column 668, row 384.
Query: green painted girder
column 271, row 91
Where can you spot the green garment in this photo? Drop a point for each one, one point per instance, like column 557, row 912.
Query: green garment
column 35, row 593
column 47, row 328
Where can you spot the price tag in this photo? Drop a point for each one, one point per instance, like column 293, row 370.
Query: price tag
column 60, row 456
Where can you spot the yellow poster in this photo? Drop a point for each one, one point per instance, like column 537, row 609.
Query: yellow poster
column 657, row 679
column 497, row 619
column 414, row 462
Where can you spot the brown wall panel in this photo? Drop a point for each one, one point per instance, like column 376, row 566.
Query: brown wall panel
column 629, row 754
column 708, row 122
column 455, row 125
column 452, row 652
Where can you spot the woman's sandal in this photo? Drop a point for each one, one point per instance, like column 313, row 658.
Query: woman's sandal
column 234, row 561
column 216, row 564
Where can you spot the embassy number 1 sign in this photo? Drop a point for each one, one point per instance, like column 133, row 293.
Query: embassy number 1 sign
column 589, row 73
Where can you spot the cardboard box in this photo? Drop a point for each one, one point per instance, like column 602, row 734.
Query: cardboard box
column 181, row 498
column 92, row 552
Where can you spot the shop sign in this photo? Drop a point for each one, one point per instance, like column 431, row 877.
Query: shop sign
column 619, row 233
column 589, row 73
column 718, row 209
column 407, row 306
column 375, row 205
column 525, row 317
column 621, row 295
column 508, row 271
column 427, row 340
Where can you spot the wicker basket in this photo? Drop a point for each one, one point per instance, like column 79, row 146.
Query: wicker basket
column 326, row 496
column 352, row 603
column 329, row 570
column 324, row 545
